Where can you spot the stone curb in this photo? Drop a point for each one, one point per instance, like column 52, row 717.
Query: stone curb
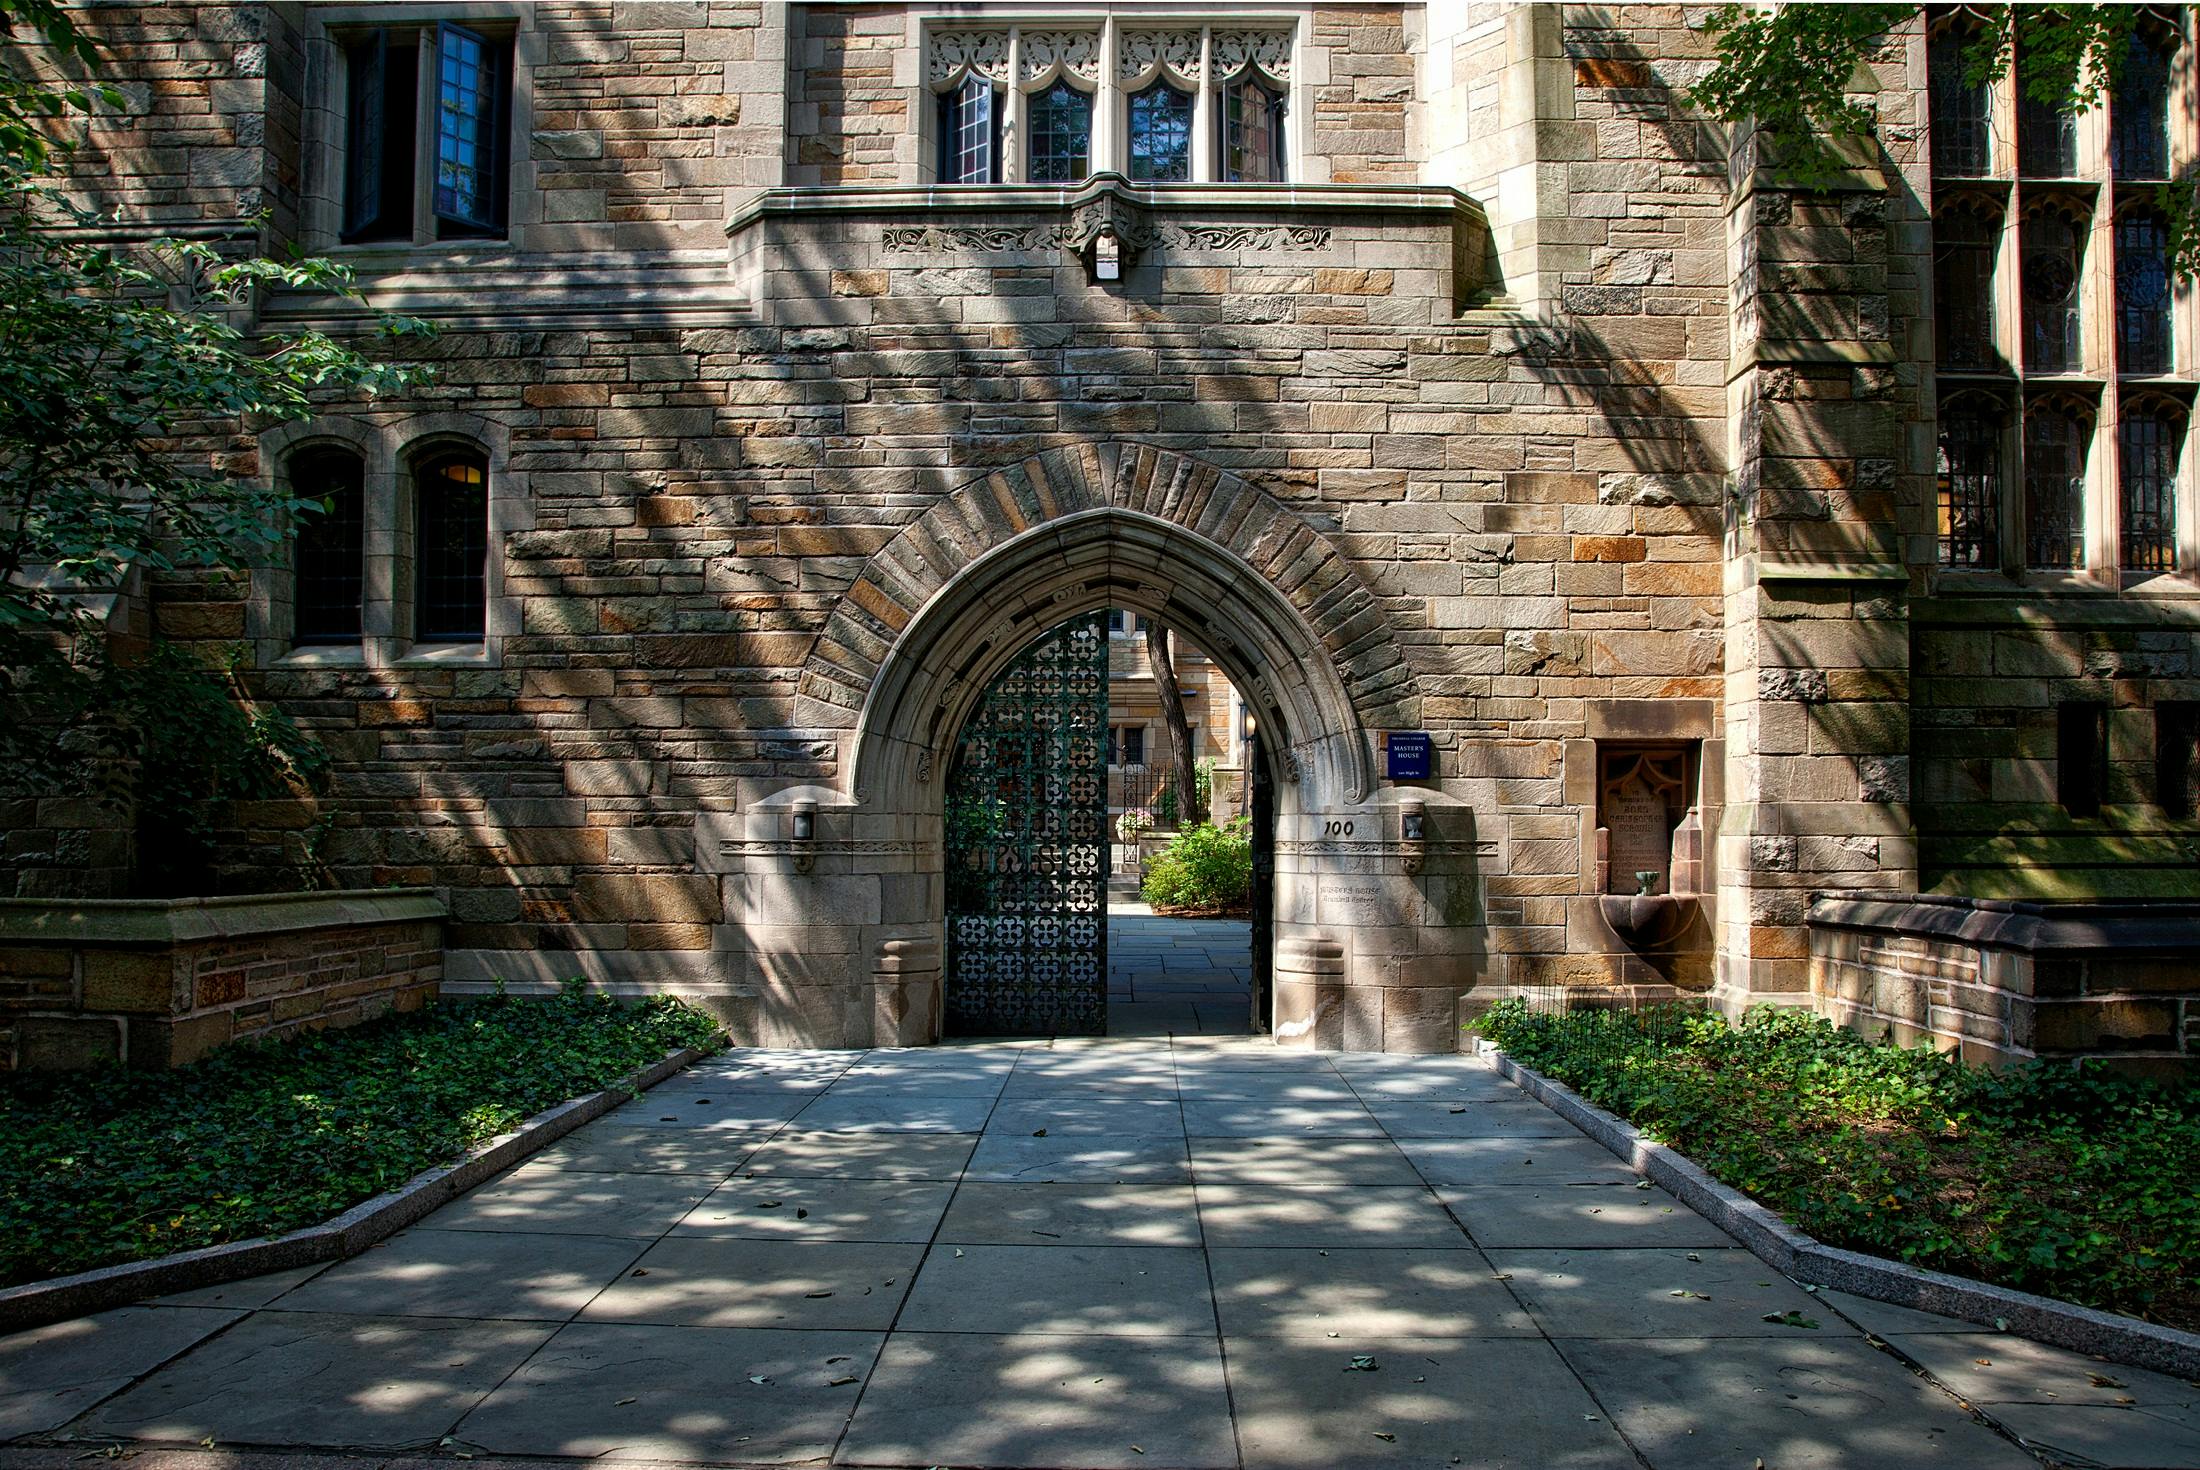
column 36, row 1303
column 1793, row 1253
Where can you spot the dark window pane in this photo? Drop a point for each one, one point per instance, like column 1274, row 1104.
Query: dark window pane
column 2177, row 757
column 2050, row 277
column 1963, row 289
column 1970, row 490
column 378, row 136
column 469, row 131
column 2081, row 757
column 1134, row 745
column 1061, row 135
column 970, row 134
column 2047, row 139
column 2147, row 467
column 452, row 527
column 2054, row 489
column 2142, row 293
column 328, row 562
column 1962, row 141
column 2138, row 113
column 1252, row 134
column 1161, row 135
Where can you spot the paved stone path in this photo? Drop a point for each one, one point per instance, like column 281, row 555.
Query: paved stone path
column 1178, row 977
column 1113, row 1253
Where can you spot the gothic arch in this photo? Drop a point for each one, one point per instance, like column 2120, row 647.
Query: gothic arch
column 943, row 607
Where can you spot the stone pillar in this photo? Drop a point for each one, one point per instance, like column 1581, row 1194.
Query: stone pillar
column 1817, row 590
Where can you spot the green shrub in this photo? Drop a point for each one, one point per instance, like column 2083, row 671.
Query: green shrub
column 2050, row 1178
column 1203, row 867
column 116, row 1165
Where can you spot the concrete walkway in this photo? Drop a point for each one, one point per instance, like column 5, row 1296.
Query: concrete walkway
column 1110, row 1253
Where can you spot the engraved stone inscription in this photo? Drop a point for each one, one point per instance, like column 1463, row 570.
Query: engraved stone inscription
column 1642, row 836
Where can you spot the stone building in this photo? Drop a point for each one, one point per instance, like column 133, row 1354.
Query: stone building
column 1430, row 365
column 1140, row 764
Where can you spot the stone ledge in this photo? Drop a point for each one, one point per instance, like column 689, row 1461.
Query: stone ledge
column 2124, row 928
column 101, row 922
column 36, row 1303
column 1794, row 1253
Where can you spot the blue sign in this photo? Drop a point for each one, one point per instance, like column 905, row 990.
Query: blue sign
column 1409, row 756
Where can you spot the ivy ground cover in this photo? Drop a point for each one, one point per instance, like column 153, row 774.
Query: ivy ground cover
column 2048, row 1178
column 113, row 1165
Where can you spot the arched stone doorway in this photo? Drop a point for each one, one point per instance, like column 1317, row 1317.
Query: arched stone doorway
column 1368, row 950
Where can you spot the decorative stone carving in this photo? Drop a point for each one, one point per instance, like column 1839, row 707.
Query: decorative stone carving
column 1045, row 53
column 1139, row 54
column 1076, row 232
column 954, row 54
column 1267, row 51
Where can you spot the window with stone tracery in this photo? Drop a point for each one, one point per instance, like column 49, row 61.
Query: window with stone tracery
column 1187, row 104
column 2062, row 341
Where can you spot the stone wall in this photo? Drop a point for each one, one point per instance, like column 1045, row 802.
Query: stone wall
column 2003, row 982
column 158, row 983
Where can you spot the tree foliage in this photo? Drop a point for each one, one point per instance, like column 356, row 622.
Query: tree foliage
column 122, row 360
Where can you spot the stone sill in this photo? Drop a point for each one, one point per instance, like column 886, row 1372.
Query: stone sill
column 494, row 286
column 938, row 199
column 103, row 922
column 2125, row 928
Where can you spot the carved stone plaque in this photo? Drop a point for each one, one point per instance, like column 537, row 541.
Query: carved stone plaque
column 1641, row 798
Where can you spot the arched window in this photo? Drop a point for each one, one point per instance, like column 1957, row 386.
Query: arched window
column 2055, row 440
column 970, row 133
column 2138, row 109
column 2050, row 259
column 1963, row 284
column 1252, row 132
column 2151, row 436
column 328, row 558
column 1970, row 485
column 1962, row 139
column 1061, row 135
column 451, row 551
column 1161, row 135
column 2143, row 342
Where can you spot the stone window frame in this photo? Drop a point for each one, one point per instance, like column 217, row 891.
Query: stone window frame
column 2096, row 198
column 387, row 452
column 1609, row 724
column 326, row 108
column 1124, row 66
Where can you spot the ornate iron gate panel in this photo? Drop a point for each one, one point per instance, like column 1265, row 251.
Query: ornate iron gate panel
column 1027, row 813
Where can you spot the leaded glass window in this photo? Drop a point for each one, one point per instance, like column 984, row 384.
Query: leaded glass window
column 1963, row 287
column 451, row 529
column 2142, row 292
column 2054, row 487
column 1962, row 139
column 2149, row 438
column 2050, row 275
column 2047, row 136
column 1970, row 487
column 469, row 143
column 2138, row 112
column 970, row 133
column 1252, row 133
column 1161, row 135
column 328, row 562
column 1061, row 135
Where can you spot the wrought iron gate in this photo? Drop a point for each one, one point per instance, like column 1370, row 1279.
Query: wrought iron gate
column 1027, row 812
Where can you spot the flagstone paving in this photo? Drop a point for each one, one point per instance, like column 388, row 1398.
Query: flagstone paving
column 1192, row 1252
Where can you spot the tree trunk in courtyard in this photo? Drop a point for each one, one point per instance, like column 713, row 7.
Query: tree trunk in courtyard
column 1163, row 667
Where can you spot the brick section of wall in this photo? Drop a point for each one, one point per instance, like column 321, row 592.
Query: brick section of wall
column 159, row 984
column 2002, row 983
column 1360, row 122
column 846, row 118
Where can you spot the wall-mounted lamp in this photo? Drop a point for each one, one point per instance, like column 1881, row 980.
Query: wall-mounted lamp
column 802, row 832
column 1412, row 834
column 1107, row 256
column 1246, row 722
